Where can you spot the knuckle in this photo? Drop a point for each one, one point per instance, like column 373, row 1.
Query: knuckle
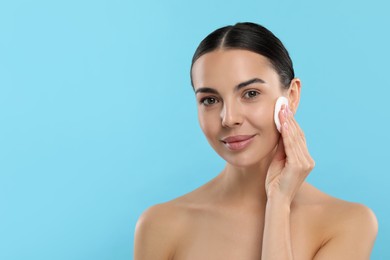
column 310, row 165
column 306, row 167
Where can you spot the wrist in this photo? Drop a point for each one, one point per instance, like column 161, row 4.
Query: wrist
column 279, row 201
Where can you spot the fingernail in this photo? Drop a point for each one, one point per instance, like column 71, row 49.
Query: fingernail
column 289, row 111
column 286, row 111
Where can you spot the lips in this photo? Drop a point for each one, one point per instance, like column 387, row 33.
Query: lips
column 236, row 138
column 238, row 142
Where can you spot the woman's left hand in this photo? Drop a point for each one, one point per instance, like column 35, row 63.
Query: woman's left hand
column 292, row 162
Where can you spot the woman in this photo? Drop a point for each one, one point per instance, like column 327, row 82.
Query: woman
column 259, row 206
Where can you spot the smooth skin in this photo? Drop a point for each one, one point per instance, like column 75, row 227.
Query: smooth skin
column 259, row 206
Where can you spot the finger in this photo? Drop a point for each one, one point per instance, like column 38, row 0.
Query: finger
column 296, row 131
column 288, row 137
column 280, row 154
column 297, row 127
column 299, row 133
column 306, row 161
column 298, row 153
column 285, row 114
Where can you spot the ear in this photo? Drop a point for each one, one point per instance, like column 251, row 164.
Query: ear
column 294, row 94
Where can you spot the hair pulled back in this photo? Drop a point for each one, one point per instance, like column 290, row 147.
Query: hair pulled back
column 252, row 37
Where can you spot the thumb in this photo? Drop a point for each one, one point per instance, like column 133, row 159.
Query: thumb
column 277, row 163
column 280, row 154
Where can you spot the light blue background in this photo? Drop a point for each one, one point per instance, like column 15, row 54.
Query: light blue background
column 98, row 118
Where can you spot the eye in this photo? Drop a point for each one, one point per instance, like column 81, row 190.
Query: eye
column 251, row 94
column 208, row 101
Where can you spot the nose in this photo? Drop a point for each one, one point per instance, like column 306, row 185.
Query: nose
column 231, row 115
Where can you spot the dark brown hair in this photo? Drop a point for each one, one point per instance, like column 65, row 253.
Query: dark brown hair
column 252, row 37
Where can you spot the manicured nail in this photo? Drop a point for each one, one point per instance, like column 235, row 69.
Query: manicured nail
column 284, row 110
column 289, row 111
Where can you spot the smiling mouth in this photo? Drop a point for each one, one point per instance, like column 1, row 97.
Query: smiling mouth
column 236, row 138
column 238, row 143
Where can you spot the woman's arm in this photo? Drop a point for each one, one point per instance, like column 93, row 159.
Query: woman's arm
column 355, row 231
column 289, row 168
column 276, row 236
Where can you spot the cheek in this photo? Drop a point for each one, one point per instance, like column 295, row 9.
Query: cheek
column 262, row 116
column 208, row 123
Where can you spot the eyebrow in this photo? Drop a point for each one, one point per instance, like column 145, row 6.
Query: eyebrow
column 236, row 88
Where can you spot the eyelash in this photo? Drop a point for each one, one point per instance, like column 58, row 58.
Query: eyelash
column 257, row 93
column 208, row 98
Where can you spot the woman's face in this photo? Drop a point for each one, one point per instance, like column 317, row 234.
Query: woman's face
column 236, row 91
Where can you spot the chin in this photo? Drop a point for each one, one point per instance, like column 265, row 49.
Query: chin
column 243, row 159
column 242, row 162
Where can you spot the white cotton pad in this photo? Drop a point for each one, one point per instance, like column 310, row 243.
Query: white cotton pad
column 279, row 102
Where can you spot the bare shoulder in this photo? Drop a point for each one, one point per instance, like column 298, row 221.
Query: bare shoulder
column 349, row 228
column 157, row 230
column 341, row 213
column 160, row 227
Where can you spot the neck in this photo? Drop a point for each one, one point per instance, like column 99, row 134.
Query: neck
column 246, row 185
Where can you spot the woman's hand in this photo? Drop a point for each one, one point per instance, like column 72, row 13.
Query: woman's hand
column 292, row 162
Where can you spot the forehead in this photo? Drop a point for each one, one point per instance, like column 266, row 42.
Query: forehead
column 230, row 67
